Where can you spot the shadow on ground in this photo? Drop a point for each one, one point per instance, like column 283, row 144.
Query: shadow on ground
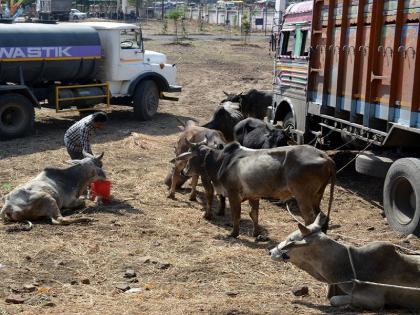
column 49, row 132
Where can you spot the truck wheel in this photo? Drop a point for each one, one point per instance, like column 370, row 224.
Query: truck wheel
column 289, row 120
column 16, row 116
column 146, row 100
column 373, row 165
column 402, row 196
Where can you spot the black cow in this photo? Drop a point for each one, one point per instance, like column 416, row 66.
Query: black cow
column 253, row 103
column 225, row 117
column 256, row 134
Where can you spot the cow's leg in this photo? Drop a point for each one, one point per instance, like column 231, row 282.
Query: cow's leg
column 49, row 206
column 176, row 177
column 77, row 203
column 340, row 300
column 305, row 206
column 368, row 298
column 255, row 204
column 194, row 181
column 222, row 205
column 235, row 208
column 208, row 187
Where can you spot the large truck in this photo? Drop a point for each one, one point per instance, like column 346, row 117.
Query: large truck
column 73, row 67
column 352, row 69
column 53, row 9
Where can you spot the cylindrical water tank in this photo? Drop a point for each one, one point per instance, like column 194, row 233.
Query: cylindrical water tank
column 32, row 53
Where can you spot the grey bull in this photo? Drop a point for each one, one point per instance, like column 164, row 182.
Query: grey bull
column 384, row 275
column 52, row 190
column 242, row 174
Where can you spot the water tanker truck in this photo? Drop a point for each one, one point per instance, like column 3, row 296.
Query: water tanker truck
column 74, row 67
column 350, row 70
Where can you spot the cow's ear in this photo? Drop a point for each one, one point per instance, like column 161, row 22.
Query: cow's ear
column 303, row 229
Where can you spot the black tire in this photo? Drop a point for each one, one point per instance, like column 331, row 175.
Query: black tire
column 402, row 196
column 146, row 100
column 373, row 165
column 289, row 120
column 17, row 116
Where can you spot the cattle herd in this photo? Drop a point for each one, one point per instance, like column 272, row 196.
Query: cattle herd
column 240, row 157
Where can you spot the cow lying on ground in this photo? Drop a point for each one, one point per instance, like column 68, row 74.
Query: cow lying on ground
column 256, row 134
column 52, row 190
column 331, row 262
column 242, row 174
column 225, row 117
column 253, row 103
column 191, row 133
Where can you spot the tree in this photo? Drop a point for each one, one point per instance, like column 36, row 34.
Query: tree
column 176, row 15
column 246, row 27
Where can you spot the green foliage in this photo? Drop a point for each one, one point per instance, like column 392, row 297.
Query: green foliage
column 6, row 187
column 246, row 27
column 176, row 15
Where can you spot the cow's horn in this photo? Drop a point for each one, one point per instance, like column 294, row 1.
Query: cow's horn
column 227, row 94
column 100, row 156
column 182, row 156
column 87, row 154
column 196, row 144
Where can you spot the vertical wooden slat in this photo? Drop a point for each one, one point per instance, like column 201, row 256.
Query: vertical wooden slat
column 342, row 57
column 328, row 53
column 358, row 54
column 415, row 103
column 373, row 61
column 395, row 70
column 314, row 53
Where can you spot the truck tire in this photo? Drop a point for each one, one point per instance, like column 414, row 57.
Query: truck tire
column 146, row 100
column 402, row 196
column 17, row 116
column 289, row 120
column 373, row 165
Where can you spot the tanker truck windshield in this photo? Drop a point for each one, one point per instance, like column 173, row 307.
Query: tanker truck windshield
column 131, row 39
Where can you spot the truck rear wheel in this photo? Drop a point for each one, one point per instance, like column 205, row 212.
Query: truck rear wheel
column 16, row 116
column 402, row 196
column 146, row 100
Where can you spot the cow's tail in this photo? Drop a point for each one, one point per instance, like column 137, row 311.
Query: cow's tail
column 20, row 228
column 332, row 184
column 67, row 221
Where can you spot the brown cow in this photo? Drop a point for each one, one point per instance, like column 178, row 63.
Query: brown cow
column 381, row 264
column 191, row 133
column 239, row 173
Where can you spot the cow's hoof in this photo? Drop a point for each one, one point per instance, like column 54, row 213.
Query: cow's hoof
column 193, row 198
column 207, row 216
column 234, row 234
column 171, row 196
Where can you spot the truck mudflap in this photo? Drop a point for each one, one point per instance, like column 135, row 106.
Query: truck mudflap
column 174, row 88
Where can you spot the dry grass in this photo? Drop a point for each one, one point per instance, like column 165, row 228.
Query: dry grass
column 205, row 266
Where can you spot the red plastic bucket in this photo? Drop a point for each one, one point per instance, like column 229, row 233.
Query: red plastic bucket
column 101, row 188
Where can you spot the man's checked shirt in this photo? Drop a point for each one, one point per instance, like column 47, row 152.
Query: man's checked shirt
column 77, row 136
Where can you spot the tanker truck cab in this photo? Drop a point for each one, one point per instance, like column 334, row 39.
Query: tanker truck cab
column 75, row 67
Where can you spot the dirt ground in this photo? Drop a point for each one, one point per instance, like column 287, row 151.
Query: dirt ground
column 184, row 264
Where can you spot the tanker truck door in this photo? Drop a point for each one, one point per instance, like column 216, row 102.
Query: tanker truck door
column 131, row 53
